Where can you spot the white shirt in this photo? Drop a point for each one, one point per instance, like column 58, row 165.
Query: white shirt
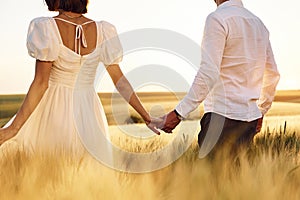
column 238, row 75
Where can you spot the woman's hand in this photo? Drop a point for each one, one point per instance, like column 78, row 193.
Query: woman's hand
column 127, row 92
column 6, row 134
column 36, row 91
column 153, row 123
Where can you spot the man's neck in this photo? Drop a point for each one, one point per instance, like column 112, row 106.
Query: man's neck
column 219, row 2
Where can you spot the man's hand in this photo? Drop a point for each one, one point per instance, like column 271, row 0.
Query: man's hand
column 170, row 121
column 259, row 124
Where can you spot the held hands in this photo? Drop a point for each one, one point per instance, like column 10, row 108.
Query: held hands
column 166, row 123
column 152, row 123
column 170, row 121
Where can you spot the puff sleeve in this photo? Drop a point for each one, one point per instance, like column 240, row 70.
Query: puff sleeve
column 41, row 41
column 111, row 46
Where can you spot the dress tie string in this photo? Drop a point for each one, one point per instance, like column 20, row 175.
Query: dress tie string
column 79, row 34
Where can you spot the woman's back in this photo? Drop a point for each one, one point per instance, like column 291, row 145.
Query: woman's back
column 70, row 107
column 73, row 30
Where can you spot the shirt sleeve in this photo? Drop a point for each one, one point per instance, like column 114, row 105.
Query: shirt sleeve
column 41, row 43
column 111, row 46
column 212, row 47
column 270, row 81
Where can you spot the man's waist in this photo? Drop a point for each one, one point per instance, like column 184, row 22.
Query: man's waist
column 237, row 112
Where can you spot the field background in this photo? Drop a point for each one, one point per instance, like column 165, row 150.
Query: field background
column 286, row 107
column 273, row 173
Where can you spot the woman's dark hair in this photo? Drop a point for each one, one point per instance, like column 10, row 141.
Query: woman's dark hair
column 76, row 6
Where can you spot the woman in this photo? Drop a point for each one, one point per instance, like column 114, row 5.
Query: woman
column 62, row 108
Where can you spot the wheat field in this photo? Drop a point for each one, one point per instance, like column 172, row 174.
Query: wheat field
column 272, row 173
column 270, row 170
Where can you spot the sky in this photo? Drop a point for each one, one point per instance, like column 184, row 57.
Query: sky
column 183, row 17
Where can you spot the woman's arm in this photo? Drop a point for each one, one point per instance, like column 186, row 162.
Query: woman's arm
column 33, row 97
column 127, row 92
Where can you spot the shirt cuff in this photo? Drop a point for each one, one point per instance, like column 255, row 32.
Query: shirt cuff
column 182, row 110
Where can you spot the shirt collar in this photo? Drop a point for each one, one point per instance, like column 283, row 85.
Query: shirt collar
column 231, row 3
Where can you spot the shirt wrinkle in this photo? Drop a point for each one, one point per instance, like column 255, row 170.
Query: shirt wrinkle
column 238, row 75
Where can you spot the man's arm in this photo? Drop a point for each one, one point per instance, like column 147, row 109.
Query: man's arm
column 270, row 81
column 212, row 48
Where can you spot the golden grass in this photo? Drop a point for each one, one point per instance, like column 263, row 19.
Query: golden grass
column 273, row 172
column 61, row 176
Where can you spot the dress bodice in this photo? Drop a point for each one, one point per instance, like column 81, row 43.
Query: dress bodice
column 71, row 69
column 74, row 70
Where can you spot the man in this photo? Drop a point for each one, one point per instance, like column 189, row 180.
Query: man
column 237, row 80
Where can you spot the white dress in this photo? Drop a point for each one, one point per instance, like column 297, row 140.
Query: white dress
column 70, row 114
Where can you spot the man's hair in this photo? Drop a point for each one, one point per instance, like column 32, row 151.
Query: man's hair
column 76, row 6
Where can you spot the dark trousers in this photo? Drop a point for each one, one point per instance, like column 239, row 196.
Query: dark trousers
column 221, row 137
